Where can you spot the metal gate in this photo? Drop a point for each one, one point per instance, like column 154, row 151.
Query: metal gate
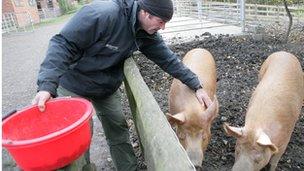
column 195, row 17
column 204, row 14
column 17, row 22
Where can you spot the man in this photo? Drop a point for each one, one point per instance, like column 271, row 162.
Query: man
column 86, row 59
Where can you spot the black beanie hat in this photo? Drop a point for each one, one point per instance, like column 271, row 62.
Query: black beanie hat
column 160, row 8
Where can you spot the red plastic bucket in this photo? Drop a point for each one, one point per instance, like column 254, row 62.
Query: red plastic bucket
column 41, row 141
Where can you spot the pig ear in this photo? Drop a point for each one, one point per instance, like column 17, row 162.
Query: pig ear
column 265, row 141
column 178, row 118
column 212, row 110
column 233, row 131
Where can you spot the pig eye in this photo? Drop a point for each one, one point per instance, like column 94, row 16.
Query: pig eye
column 181, row 135
column 237, row 150
column 258, row 157
column 257, row 160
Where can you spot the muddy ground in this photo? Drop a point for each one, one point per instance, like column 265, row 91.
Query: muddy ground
column 238, row 61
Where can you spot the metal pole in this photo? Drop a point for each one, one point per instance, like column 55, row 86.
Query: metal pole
column 237, row 6
column 242, row 14
column 199, row 9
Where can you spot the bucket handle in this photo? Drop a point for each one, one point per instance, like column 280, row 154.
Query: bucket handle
column 9, row 114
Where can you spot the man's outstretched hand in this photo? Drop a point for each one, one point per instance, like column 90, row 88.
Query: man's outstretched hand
column 203, row 97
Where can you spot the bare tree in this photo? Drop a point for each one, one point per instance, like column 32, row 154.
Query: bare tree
column 290, row 19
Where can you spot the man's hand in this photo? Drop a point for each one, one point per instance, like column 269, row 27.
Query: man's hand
column 40, row 99
column 203, row 97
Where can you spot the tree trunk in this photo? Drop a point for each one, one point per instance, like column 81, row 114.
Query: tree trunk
column 290, row 20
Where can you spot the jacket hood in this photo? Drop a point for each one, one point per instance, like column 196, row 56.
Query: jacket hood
column 129, row 8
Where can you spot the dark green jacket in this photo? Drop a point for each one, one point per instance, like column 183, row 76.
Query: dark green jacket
column 87, row 56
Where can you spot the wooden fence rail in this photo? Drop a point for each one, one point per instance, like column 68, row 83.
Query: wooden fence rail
column 161, row 147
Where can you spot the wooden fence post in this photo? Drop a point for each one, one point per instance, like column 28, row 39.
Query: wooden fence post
column 161, row 147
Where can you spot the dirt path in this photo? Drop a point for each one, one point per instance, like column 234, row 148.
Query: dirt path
column 22, row 54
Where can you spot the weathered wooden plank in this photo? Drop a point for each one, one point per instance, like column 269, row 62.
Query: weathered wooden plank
column 162, row 150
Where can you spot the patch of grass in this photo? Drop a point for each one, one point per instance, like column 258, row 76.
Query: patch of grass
column 300, row 12
column 60, row 19
column 56, row 20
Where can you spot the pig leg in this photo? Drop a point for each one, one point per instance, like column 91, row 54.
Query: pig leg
column 266, row 168
column 275, row 160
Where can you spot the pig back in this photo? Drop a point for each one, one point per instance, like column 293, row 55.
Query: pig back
column 277, row 100
column 201, row 62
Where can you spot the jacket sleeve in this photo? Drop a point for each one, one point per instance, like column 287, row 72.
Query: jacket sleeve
column 156, row 50
column 67, row 47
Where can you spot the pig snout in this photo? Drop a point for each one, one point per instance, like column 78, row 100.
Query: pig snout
column 196, row 157
column 243, row 164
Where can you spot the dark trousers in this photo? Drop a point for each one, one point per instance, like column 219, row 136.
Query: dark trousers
column 109, row 112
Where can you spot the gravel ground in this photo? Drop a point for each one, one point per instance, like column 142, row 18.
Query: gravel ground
column 238, row 61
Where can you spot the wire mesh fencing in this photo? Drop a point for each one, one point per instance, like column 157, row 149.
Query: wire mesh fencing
column 17, row 22
column 230, row 11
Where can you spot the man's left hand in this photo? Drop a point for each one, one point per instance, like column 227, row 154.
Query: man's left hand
column 203, row 97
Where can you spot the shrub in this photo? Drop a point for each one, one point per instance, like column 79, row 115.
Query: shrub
column 66, row 6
